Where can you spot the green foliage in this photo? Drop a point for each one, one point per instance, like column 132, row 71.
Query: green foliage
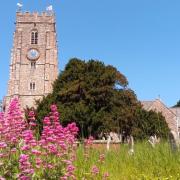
column 177, row 104
column 97, row 98
column 150, row 123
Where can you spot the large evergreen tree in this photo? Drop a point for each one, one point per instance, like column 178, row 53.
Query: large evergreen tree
column 95, row 96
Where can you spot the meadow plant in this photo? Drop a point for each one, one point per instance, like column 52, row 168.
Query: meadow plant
column 52, row 155
column 90, row 162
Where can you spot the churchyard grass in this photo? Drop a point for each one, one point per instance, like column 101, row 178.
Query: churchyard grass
column 147, row 163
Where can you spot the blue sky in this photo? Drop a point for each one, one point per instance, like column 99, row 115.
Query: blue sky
column 139, row 37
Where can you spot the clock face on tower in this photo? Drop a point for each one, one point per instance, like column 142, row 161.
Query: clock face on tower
column 33, row 54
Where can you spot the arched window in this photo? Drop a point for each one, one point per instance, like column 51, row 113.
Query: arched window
column 34, row 37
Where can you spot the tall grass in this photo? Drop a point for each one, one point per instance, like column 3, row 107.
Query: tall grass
column 147, row 163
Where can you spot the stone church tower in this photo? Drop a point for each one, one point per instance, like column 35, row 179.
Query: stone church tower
column 34, row 58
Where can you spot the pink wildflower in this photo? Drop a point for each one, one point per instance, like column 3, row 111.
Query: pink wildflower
column 23, row 158
column 53, row 108
column 64, row 178
column 47, row 121
column 1, row 178
column 25, row 148
column 95, row 170
column 101, row 158
column 36, row 152
column 50, row 166
column 32, row 119
column 13, row 150
column 105, row 176
column 3, row 145
column 89, row 141
column 70, row 169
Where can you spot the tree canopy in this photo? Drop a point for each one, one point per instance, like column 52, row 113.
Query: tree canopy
column 96, row 97
column 177, row 104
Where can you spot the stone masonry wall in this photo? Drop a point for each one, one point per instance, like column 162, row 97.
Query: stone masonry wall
column 46, row 70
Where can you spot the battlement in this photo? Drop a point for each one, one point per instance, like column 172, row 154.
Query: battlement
column 27, row 17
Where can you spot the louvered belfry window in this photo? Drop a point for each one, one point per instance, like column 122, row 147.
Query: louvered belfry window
column 32, row 86
column 34, row 37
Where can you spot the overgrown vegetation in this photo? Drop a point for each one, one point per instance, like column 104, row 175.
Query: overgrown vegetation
column 147, row 163
column 55, row 154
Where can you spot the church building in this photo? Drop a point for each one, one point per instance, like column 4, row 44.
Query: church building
column 34, row 58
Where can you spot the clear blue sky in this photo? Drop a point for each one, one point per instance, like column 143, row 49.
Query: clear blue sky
column 139, row 37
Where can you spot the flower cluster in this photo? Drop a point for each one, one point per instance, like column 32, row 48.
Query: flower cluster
column 52, row 155
column 11, row 124
column 54, row 147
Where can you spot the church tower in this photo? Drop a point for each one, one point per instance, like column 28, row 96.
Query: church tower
column 34, row 58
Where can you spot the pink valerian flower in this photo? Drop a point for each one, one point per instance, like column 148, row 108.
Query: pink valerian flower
column 54, row 115
column 32, row 119
column 12, row 124
column 73, row 157
column 73, row 128
column 23, row 158
column 88, row 142
column 13, row 150
column 53, row 131
column 56, row 141
column 3, row 145
column 38, row 162
column 25, row 148
column 1, row 178
column 67, row 162
column 52, row 148
column 2, row 155
column 64, row 178
column 1, row 117
column 70, row 169
column 95, row 170
column 101, row 158
column 36, row 152
column 53, row 108
column 23, row 177
column 87, row 145
column 50, row 166
column 105, row 176
column 28, row 138
column 46, row 121
column 25, row 166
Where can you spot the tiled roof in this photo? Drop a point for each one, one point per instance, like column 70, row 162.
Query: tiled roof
column 169, row 114
column 147, row 104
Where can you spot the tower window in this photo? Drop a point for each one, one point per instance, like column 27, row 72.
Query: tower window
column 34, row 37
column 33, row 65
column 32, row 86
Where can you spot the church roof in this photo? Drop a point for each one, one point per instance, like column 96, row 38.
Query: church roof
column 147, row 104
column 176, row 110
column 158, row 106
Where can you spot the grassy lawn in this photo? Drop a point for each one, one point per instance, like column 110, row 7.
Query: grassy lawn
column 147, row 163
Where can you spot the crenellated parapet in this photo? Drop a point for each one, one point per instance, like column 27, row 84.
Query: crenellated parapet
column 35, row 17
